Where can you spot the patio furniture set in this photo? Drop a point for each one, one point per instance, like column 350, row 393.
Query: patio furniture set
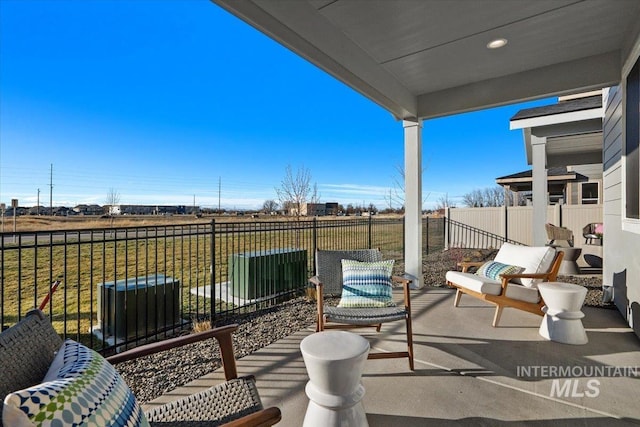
column 54, row 379
column 524, row 278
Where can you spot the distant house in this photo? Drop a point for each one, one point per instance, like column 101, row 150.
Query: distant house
column 319, row 209
column 331, row 208
column 148, row 209
column 91, row 209
column 313, row 209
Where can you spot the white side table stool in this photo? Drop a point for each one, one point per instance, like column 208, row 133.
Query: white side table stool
column 334, row 361
column 562, row 320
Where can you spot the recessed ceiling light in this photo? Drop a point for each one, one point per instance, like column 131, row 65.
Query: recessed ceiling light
column 497, row 43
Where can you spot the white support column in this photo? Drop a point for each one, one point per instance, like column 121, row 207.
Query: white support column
column 540, row 188
column 413, row 200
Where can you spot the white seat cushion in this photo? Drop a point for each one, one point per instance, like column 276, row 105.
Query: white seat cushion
column 483, row 285
column 534, row 259
column 488, row 286
column 522, row 293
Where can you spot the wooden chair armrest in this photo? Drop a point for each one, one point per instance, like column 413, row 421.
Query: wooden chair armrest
column 405, row 282
column 401, row 279
column 264, row 418
column 466, row 264
column 315, row 280
column 221, row 334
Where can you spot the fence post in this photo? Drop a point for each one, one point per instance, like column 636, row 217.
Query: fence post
column 447, row 228
column 404, row 247
column 426, row 245
column 558, row 214
column 314, row 244
column 506, row 222
column 213, row 271
column 370, row 230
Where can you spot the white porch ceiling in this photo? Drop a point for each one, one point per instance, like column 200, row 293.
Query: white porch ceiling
column 428, row 58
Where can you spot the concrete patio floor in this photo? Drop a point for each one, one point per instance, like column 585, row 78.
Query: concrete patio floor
column 469, row 373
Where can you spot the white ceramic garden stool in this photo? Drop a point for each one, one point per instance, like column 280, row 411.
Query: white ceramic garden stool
column 334, row 361
column 562, row 320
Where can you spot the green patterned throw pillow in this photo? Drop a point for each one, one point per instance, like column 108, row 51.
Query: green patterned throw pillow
column 85, row 391
column 493, row 270
column 366, row 284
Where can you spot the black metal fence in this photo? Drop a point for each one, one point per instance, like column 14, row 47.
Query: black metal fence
column 460, row 235
column 123, row 285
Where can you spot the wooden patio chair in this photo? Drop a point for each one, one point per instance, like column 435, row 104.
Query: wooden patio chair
column 28, row 349
column 329, row 282
column 510, row 280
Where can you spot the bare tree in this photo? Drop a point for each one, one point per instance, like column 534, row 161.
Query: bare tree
column 444, row 202
column 474, row 199
column 315, row 194
column 294, row 189
column 488, row 197
column 269, row 206
column 113, row 199
column 397, row 193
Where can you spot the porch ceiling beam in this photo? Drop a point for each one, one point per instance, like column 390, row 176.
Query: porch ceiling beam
column 594, row 72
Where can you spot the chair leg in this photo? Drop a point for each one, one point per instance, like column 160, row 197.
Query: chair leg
column 496, row 315
column 321, row 322
column 378, row 327
column 458, row 296
column 410, row 341
column 317, row 323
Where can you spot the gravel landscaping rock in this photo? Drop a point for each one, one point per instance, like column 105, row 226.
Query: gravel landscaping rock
column 154, row 375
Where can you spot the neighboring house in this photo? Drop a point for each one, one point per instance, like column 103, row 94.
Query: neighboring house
column 564, row 184
column 566, row 136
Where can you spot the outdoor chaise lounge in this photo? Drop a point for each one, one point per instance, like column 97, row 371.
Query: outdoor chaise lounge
column 510, row 280
column 366, row 299
column 79, row 384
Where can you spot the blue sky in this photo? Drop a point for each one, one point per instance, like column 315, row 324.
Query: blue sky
column 162, row 100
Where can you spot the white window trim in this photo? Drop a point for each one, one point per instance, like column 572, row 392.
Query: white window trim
column 599, row 184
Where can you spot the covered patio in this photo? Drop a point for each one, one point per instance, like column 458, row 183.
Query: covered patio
column 421, row 60
column 468, row 373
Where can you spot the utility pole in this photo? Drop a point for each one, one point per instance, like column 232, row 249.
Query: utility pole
column 51, row 191
column 219, row 189
column 38, row 204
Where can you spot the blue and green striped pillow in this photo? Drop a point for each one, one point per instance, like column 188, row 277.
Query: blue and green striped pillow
column 366, row 284
column 493, row 270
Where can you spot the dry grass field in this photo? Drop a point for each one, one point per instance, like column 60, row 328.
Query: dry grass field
column 30, row 223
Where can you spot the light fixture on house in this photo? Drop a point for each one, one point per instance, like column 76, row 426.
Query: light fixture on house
column 497, row 43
